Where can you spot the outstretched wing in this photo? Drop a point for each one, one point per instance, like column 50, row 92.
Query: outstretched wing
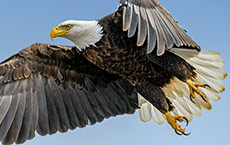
column 153, row 22
column 50, row 88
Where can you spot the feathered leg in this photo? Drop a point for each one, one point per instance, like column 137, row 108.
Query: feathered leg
column 181, row 69
column 157, row 98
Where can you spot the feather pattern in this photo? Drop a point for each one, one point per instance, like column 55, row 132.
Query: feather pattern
column 55, row 96
column 208, row 67
column 13, row 133
column 167, row 31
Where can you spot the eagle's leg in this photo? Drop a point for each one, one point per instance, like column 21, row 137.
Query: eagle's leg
column 172, row 120
column 157, row 98
column 193, row 87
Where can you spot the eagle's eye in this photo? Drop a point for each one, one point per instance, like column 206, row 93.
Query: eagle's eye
column 67, row 26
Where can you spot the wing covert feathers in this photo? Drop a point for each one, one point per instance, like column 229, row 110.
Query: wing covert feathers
column 154, row 24
column 209, row 70
column 44, row 89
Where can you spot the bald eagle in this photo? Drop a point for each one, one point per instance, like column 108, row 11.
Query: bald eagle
column 135, row 58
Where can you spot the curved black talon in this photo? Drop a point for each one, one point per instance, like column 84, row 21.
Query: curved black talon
column 183, row 133
column 206, row 85
column 204, row 98
column 186, row 134
column 177, row 132
column 191, row 98
column 186, row 120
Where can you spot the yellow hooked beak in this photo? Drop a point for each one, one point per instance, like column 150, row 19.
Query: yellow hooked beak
column 57, row 32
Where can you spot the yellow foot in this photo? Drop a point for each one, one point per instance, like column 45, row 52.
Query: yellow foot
column 194, row 88
column 172, row 120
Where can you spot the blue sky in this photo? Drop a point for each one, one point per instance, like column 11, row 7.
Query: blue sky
column 25, row 22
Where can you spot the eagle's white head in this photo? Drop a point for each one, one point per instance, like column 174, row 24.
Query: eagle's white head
column 81, row 33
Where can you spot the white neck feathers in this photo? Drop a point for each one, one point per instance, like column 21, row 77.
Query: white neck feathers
column 85, row 33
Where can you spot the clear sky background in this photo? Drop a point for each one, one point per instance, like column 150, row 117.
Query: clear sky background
column 25, row 22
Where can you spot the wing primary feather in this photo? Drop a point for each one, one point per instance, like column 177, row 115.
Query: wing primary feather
column 116, row 99
column 177, row 31
column 14, row 130
column 85, row 105
column 69, row 107
column 35, row 116
column 110, row 103
column 2, row 84
column 81, row 116
column 8, row 119
column 97, row 114
column 91, row 98
column 102, row 104
column 167, row 35
column 142, row 30
column 96, row 109
column 127, row 16
column 160, row 39
column 122, row 96
column 43, row 122
column 133, row 25
column 27, row 118
column 126, row 95
column 171, row 28
column 27, row 91
column 52, row 112
column 4, row 106
column 112, row 100
column 34, row 121
column 60, row 107
column 151, row 38
column 128, row 89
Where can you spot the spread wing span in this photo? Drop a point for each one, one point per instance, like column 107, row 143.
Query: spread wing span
column 50, row 88
column 154, row 23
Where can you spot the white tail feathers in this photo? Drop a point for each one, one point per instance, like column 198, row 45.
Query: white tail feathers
column 209, row 69
column 147, row 108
